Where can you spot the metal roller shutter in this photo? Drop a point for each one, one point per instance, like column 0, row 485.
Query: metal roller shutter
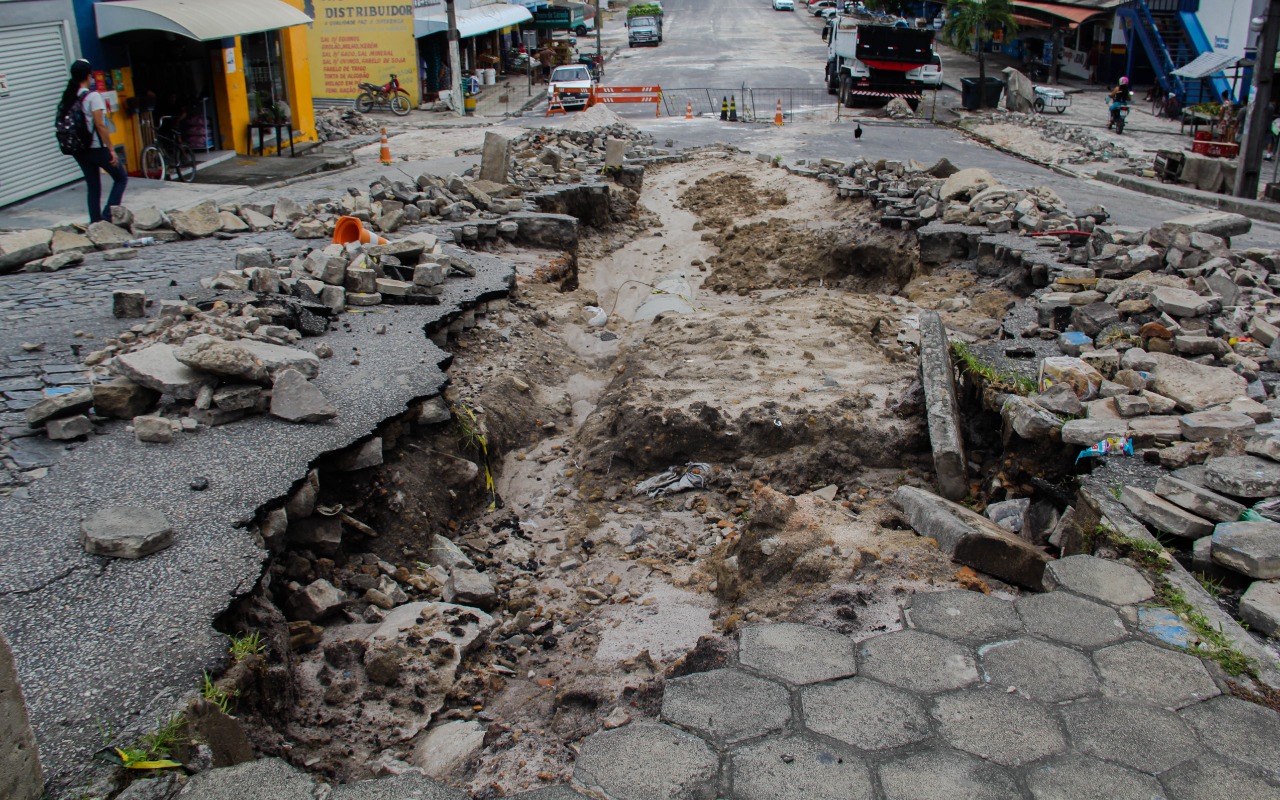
column 33, row 60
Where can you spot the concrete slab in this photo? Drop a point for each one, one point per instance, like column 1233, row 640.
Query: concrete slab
column 1198, row 500
column 266, row 779
column 1098, row 578
column 918, row 662
column 962, row 615
column 407, row 786
column 1144, row 673
column 1250, row 548
column 1260, row 607
column 1071, row 620
column 1075, row 777
column 797, row 654
column 945, row 775
column 864, row 713
column 1147, row 739
column 978, row 720
column 1037, row 670
column 1238, row 729
column 1212, row 778
column 798, row 767
column 940, row 405
column 1163, row 515
column 726, row 705
column 645, row 761
column 551, row 793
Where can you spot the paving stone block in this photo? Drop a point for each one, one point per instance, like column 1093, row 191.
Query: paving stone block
column 918, row 662
column 1075, row 777
column 963, row 615
column 1243, row 476
column 726, row 705
column 1238, row 729
column 945, row 775
column 1037, row 670
column 1250, row 548
column 1147, row 739
column 865, row 714
column 1260, row 607
column 645, row 761
column 1072, row 620
column 1215, row 778
column 1163, row 515
column 1214, row 425
column 1098, row 578
column 798, row 768
column 978, row 720
column 797, row 654
column 1198, row 500
column 1166, row 626
column 1145, row 673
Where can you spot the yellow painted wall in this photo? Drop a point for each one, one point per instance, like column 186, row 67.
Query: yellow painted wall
column 297, row 76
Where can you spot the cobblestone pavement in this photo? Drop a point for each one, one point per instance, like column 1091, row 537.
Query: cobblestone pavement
column 1056, row 695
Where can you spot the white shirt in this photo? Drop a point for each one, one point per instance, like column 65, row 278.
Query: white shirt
column 93, row 101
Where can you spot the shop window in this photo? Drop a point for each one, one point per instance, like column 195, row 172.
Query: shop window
column 264, row 77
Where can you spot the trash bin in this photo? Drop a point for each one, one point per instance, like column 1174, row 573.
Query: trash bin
column 993, row 88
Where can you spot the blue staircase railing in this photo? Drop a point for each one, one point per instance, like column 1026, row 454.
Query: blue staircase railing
column 1149, row 35
column 1192, row 43
column 1200, row 41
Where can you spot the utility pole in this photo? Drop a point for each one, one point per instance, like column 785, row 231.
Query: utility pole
column 455, row 61
column 599, row 33
column 1249, row 167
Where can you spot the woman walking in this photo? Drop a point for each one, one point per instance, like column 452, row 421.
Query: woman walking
column 100, row 155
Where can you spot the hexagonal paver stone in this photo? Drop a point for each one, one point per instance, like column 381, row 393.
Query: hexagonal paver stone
column 1145, row 673
column 1108, row 581
column 1214, row 778
column 1073, row 620
column 797, row 654
column 644, row 761
column 1073, row 777
column 919, row 662
column 865, row 714
column 961, row 614
column 945, row 775
column 998, row 726
column 1244, row 731
column 1038, row 670
column 1148, row 739
column 125, row 532
column 798, row 768
column 727, row 705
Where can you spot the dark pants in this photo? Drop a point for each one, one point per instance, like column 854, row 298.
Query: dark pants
column 99, row 158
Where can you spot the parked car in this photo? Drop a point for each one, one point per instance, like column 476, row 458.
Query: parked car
column 827, row 13
column 784, row 5
column 929, row 74
column 818, row 7
column 573, row 83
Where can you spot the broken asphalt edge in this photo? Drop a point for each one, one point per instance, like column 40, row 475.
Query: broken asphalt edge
column 1254, row 209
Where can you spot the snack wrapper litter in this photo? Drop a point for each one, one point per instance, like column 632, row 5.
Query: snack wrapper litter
column 1119, row 445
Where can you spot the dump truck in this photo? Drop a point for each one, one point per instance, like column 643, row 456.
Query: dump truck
column 875, row 61
column 644, row 24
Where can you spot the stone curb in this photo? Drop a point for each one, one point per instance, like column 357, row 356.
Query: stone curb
column 1254, row 209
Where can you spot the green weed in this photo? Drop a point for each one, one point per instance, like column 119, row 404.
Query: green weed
column 249, row 644
column 970, row 364
column 217, row 695
column 160, row 742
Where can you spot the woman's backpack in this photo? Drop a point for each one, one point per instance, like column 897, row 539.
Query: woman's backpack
column 72, row 127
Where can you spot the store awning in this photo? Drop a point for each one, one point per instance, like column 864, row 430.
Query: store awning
column 1206, row 64
column 196, row 19
column 472, row 21
column 1074, row 16
column 1025, row 22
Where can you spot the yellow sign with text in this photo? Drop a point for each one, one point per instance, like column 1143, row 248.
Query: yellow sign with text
column 352, row 41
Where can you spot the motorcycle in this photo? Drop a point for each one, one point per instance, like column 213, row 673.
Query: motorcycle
column 389, row 94
column 1119, row 113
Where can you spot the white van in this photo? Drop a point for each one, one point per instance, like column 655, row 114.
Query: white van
column 573, row 83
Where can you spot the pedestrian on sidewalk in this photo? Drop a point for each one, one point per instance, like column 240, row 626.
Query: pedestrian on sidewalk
column 100, row 155
column 546, row 57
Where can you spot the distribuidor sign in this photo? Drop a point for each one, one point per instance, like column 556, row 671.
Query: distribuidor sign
column 351, row 43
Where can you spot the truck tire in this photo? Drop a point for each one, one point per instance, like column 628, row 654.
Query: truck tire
column 832, row 81
column 846, row 90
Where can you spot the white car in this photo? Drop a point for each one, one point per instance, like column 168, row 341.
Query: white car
column 784, row 5
column 928, row 74
column 573, row 84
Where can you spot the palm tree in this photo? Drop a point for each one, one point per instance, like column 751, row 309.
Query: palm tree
column 969, row 26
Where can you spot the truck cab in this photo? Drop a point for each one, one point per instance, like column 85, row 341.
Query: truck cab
column 644, row 30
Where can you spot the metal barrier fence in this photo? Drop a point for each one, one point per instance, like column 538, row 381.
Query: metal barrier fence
column 753, row 104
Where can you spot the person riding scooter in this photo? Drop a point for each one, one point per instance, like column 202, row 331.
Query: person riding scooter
column 1120, row 97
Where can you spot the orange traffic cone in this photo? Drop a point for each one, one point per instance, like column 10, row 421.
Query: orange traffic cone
column 688, row 110
column 777, row 115
column 385, row 154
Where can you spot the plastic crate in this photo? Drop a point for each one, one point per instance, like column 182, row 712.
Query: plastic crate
column 1203, row 136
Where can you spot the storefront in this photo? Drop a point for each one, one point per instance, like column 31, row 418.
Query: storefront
column 487, row 34
column 208, row 72
column 1069, row 35
column 37, row 46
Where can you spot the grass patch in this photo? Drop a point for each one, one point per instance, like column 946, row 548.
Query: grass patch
column 970, row 364
column 220, row 697
column 167, row 735
column 472, row 437
column 249, row 644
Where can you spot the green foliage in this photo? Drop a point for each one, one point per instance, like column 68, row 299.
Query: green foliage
column 645, row 10
column 217, row 695
column 970, row 364
column 160, row 742
column 971, row 23
column 249, row 644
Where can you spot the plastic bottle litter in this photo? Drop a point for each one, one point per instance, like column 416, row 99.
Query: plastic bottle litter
column 145, row 241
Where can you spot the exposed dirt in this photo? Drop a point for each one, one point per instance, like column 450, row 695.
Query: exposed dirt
column 727, row 196
column 798, row 394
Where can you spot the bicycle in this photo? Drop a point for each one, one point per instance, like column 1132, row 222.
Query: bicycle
column 388, row 94
column 168, row 153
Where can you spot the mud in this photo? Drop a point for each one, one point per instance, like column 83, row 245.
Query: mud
column 794, row 379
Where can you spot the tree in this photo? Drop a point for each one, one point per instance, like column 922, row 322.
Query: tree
column 969, row 26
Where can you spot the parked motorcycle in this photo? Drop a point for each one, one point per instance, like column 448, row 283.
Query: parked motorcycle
column 389, row 94
column 1119, row 113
